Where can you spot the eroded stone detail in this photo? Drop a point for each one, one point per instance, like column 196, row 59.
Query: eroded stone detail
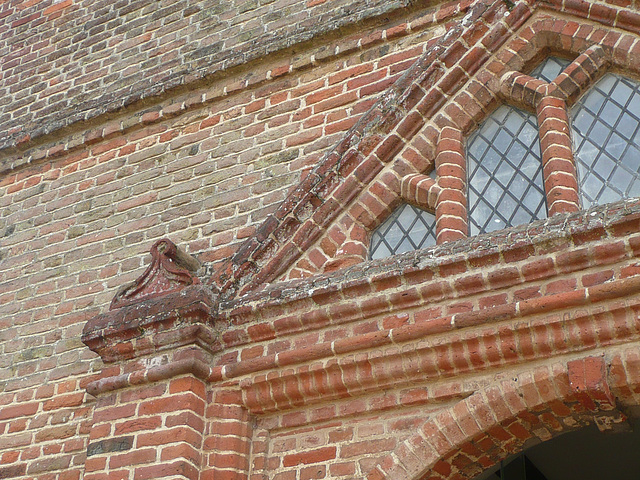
column 171, row 270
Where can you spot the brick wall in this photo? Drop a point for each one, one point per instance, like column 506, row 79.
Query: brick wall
column 424, row 333
column 123, row 123
column 65, row 61
column 81, row 208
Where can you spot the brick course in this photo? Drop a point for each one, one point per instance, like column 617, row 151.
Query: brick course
column 268, row 139
column 67, row 61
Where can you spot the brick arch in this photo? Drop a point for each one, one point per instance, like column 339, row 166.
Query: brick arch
column 474, row 434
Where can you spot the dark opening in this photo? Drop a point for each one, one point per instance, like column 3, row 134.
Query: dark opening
column 585, row 454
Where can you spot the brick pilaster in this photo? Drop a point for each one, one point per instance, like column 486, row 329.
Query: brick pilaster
column 155, row 395
column 451, row 206
column 148, row 431
column 228, row 443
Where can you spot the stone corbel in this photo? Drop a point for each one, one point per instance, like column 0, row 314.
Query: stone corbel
column 166, row 307
column 171, row 270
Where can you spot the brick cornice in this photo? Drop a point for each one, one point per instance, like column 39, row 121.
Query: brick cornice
column 402, row 286
column 443, row 347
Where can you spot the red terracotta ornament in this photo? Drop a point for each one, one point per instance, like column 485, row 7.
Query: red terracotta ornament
column 170, row 271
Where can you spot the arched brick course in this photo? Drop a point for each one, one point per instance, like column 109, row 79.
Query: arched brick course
column 482, row 429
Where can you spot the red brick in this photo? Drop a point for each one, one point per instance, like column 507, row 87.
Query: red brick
column 310, row 456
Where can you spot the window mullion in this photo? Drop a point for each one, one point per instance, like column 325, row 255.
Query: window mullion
column 451, row 169
column 558, row 165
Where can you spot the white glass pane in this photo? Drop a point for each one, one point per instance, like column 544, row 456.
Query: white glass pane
column 407, row 229
column 550, row 68
column 505, row 184
column 606, row 129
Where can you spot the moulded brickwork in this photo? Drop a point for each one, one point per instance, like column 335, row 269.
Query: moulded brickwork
column 548, row 101
column 270, row 158
column 79, row 210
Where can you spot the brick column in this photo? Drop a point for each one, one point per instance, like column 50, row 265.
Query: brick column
column 451, row 206
column 158, row 388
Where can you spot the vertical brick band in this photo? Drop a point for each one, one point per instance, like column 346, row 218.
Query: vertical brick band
column 558, row 167
column 451, row 167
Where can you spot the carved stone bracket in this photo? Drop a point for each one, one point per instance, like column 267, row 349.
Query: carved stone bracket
column 170, row 271
column 165, row 308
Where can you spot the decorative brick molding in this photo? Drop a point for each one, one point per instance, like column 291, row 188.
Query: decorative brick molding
column 344, row 172
column 420, row 190
column 491, row 424
column 139, row 322
column 451, row 171
column 549, row 102
column 155, row 416
column 288, row 355
column 439, row 316
column 170, row 271
column 278, row 381
column 444, row 313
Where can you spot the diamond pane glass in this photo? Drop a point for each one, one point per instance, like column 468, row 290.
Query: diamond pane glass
column 505, row 172
column 550, row 68
column 407, row 229
column 606, row 138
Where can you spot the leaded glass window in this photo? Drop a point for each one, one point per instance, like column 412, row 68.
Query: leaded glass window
column 408, row 228
column 505, row 172
column 606, row 138
column 550, row 69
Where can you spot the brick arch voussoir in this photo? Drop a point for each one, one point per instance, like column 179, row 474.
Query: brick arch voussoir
column 570, row 37
column 624, row 379
column 464, row 439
